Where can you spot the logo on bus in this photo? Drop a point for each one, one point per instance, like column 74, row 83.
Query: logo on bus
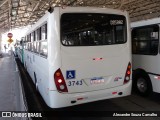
column 118, row 78
column 70, row 74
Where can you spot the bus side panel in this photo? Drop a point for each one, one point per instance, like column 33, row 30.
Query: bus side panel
column 155, row 83
column 148, row 63
column 54, row 56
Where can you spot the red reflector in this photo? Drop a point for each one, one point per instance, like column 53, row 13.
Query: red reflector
column 60, row 82
column 114, row 93
column 80, row 98
column 97, row 58
column 128, row 72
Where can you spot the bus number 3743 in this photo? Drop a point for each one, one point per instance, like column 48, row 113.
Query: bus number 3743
column 74, row 83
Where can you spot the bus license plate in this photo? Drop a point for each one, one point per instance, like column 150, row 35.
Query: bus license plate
column 97, row 80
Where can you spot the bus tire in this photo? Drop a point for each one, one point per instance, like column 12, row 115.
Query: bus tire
column 142, row 83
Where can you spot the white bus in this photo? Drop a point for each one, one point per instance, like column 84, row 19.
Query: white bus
column 146, row 58
column 76, row 55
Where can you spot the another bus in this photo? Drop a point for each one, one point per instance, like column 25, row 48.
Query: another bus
column 77, row 55
column 146, row 56
column 19, row 50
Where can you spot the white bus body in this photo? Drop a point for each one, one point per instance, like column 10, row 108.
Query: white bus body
column 18, row 51
column 69, row 65
column 145, row 47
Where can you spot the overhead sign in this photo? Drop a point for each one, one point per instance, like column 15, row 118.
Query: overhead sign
column 10, row 40
column 10, row 35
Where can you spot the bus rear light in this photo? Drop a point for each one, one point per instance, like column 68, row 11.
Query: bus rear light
column 114, row 93
column 62, row 87
column 157, row 77
column 60, row 82
column 128, row 74
column 80, row 98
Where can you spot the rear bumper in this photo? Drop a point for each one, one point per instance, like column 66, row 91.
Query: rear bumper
column 58, row 100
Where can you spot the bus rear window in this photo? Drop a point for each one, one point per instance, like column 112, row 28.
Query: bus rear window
column 91, row 29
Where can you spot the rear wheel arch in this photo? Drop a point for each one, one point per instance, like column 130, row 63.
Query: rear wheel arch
column 141, row 82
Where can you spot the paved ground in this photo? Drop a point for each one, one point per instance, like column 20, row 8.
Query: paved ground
column 7, row 77
column 130, row 104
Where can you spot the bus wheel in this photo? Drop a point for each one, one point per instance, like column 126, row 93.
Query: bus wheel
column 142, row 84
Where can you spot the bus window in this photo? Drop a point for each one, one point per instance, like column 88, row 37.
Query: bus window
column 29, row 38
column 29, row 46
column 145, row 40
column 36, row 35
column 43, row 48
column 32, row 46
column 36, row 44
column 119, row 34
column 32, row 36
column 44, row 32
column 92, row 29
column 26, row 46
column 39, row 33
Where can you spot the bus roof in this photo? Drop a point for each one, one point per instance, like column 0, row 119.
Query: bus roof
column 145, row 22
